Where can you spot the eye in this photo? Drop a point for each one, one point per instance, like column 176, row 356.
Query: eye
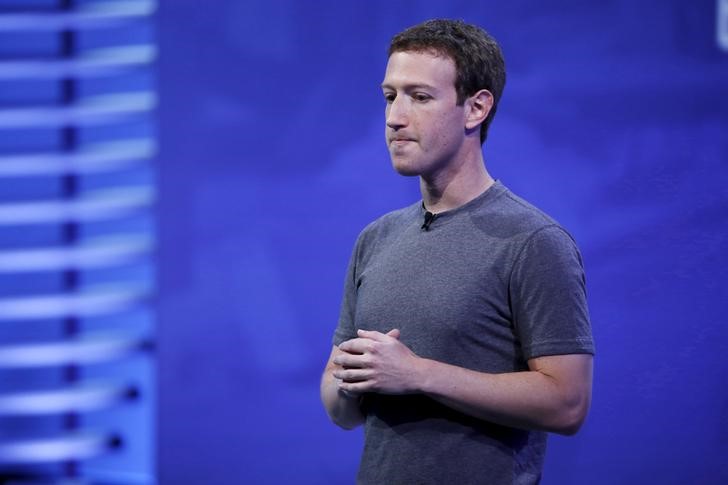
column 421, row 97
column 389, row 97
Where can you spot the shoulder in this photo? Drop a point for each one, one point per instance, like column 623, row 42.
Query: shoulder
column 519, row 215
column 507, row 216
column 541, row 235
column 388, row 225
column 522, row 228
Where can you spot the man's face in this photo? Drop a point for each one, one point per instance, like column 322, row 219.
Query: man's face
column 425, row 128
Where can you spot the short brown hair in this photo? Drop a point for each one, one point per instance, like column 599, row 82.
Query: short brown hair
column 477, row 56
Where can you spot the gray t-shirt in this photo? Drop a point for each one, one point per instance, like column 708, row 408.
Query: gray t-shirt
column 486, row 286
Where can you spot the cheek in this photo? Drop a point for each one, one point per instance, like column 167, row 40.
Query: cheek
column 443, row 134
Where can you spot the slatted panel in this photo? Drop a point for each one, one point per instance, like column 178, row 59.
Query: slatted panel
column 77, row 191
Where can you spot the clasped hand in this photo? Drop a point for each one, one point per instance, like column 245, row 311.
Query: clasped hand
column 376, row 362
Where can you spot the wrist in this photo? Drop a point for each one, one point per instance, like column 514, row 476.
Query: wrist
column 349, row 396
column 423, row 375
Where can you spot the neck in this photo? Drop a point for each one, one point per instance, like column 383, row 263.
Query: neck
column 457, row 186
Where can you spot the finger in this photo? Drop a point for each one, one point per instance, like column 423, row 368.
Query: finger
column 356, row 387
column 373, row 335
column 349, row 360
column 352, row 375
column 355, row 346
column 394, row 333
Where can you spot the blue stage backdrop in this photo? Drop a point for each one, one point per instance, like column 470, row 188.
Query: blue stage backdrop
column 614, row 120
column 78, row 94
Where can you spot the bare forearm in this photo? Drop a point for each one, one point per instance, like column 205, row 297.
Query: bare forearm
column 553, row 395
column 343, row 409
column 529, row 399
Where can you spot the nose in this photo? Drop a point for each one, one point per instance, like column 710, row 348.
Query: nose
column 396, row 113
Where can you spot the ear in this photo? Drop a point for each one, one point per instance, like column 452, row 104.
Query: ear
column 479, row 105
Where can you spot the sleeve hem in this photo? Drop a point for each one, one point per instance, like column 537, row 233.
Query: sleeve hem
column 583, row 346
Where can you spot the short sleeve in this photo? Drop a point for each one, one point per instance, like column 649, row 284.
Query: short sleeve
column 345, row 329
column 548, row 296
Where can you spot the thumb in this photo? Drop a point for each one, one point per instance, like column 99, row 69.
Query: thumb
column 394, row 333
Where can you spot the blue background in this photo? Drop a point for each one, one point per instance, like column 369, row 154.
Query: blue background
column 614, row 120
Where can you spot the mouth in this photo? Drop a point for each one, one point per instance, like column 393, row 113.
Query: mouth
column 400, row 140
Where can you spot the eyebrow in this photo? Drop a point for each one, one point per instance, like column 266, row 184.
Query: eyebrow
column 409, row 86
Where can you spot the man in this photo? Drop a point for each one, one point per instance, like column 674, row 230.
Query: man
column 464, row 334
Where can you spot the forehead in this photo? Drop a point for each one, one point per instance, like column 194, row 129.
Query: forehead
column 419, row 67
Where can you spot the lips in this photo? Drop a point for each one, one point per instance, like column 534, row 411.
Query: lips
column 400, row 140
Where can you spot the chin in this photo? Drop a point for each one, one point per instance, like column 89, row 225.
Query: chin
column 405, row 169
